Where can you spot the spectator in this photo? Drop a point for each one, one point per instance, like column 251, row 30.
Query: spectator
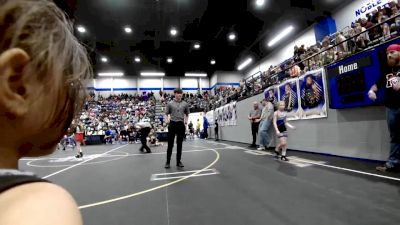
column 254, row 115
column 205, row 127
column 216, row 130
column 198, row 125
column 391, row 84
column 265, row 123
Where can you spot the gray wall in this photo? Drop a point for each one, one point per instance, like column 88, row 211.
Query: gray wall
column 213, row 79
column 229, row 77
column 358, row 132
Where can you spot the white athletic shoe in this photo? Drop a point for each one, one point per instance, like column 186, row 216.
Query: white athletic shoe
column 260, row 149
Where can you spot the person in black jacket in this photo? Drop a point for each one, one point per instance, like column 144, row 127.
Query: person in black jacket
column 391, row 84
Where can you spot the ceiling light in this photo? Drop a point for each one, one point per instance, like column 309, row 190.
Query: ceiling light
column 281, row 35
column 170, row 60
column 197, row 46
column 195, row 74
column 128, row 30
column 152, row 74
column 260, row 2
column 232, row 36
column 137, row 59
column 104, row 59
column 173, row 31
column 111, row 74
column 245, row 63
column 212, row 62
column 81, row 29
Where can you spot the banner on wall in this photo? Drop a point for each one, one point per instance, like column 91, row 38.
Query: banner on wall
column 312, row 95
column 272, row 95
column 288, row 93
column 210, row 117
column 226, row 115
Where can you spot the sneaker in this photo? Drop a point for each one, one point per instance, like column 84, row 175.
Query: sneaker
column 283, row 158
column 180, row 164
column 261, row 149
column 78, row 156
column 81, row 154
column 384, row 169
column 167, row 166
column 276, row 155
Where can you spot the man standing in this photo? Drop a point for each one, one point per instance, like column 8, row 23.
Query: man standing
column 265, row 122
column 205, row 127
column 177, row 114
column 216, row 131
column 198, row 126
column 254, row 115
column 145, row 128
column 392, row 102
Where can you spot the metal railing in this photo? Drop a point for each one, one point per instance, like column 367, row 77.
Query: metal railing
column 325, row 56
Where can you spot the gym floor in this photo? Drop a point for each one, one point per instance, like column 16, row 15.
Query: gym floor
column 222, row 183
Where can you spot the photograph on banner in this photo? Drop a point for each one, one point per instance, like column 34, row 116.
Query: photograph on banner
column 210, row 117
column 230, row 110
column 221, row 114
column 288, row 94
column 226, row 115
column 271, row 94
column 312, row 95
column 234, row 114
column 218, row 116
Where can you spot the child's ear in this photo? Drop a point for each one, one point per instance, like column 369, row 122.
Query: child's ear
column 12, row 83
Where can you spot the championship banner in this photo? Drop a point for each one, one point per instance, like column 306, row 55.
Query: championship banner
column 226, row 115
column 272, row 95
column 288, row 93
column 312, row 95
column 210, row 118
column 218, row 116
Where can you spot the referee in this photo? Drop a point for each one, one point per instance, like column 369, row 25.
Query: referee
column 177, row 115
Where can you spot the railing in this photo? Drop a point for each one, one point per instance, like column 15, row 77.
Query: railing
column 325, row 56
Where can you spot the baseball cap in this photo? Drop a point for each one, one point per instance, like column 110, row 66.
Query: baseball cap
column 178, row 90
column 394, row 47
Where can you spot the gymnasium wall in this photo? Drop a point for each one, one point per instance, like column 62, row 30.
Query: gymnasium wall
column 281, row 54
column 357, row 132
column 356, row 9
column 131, row 85
column 170, row 84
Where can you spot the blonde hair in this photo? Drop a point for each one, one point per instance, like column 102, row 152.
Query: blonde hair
column 57, row 61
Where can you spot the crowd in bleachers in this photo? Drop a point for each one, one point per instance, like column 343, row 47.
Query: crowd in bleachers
column 381, row 25
column 122, row 111
column 114, row 117
column 198, row 102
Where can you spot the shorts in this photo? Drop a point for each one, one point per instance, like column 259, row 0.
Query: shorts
column 79, row 137
column 283, row 134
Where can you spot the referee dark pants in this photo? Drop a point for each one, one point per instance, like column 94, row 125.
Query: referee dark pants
column 178, row 129
column 144, row 133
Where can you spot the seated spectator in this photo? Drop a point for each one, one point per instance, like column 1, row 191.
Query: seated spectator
column 295, row 70
column 343, row 46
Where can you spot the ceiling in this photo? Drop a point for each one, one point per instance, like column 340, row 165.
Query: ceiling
column 207, row 22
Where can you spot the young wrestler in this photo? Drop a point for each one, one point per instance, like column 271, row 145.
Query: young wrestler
column 280, row 124
column 42, row 66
